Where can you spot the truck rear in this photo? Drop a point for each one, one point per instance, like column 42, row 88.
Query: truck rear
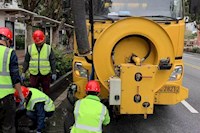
column 135, row 52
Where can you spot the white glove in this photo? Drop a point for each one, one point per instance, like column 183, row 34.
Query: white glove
column 23, row 77
column 54, row 77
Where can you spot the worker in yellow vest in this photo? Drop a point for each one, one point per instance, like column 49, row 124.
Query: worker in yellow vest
column 40, row 61
column 90, row 114
column 38, row 106
column 9, row 79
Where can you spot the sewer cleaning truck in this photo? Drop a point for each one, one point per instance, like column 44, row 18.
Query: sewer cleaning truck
column 134, row 49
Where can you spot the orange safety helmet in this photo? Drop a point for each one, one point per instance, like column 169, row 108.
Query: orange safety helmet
column 25, row 92
column 38, row 36
column 93, row 86
column 6, row 32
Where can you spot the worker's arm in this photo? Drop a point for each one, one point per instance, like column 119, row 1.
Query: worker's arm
column 52, row 61
column 107, row 118
column 39, row 108
column 14, row 73
column 14, row 68
column 26, row 62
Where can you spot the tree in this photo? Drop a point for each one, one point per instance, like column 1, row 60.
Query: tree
column 49, row 8
column 29, row 5
column 193, row 11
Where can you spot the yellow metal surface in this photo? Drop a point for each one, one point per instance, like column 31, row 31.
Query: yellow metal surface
column 174, row 30
column 133, row 45
column 130, row 87
column 81, row 82
column 171, row 93
column 124, row 28
column 176, row 33
column 116, row 42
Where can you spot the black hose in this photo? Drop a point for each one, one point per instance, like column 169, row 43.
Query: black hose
column 78, row 8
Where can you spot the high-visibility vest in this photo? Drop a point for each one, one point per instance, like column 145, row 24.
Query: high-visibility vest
column 89, row 116
column 38, row 96
column 6, row 86
column 39, row 61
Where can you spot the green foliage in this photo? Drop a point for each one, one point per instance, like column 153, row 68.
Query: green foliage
column 190, row 35
column 20, row 42
column 63, row 61
column 196, row 49
column 27, row 76
column 193, row 16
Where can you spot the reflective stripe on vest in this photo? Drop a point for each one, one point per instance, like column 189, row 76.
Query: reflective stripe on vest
column 39, row 61
column 6, row 86
column 38, row 96
column 85, row 127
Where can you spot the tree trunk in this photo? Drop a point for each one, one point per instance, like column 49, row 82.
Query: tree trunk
column 56, row 30
column 29, row 29
column 55, row 39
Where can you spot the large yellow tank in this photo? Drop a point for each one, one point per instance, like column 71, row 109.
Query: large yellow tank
column 136, row 59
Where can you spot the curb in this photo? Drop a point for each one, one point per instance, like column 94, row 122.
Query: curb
column 191, row 53
column 61, row 79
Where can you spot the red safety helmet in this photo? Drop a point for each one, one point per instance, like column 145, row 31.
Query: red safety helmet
column 38, row 36
column 92, row 85
column 6, row 33
column 25, row 92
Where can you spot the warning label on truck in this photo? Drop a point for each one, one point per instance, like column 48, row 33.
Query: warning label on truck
column 169, row 89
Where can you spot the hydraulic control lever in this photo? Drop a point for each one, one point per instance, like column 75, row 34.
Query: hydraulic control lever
column 165, row 64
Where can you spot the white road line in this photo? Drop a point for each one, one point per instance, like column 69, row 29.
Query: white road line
column 61, row 98
column 189, row 107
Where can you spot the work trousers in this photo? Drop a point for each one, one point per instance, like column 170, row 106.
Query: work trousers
column 7, row 114
column 37, row 121
column 43, row 80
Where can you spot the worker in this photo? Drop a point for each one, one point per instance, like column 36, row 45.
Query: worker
column 9, row 80
column 40, row 61
column 38, row 105
column 89, row 112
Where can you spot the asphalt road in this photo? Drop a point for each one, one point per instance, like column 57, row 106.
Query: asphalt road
column 169, row 119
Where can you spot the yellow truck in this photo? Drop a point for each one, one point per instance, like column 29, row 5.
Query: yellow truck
column 135, row 52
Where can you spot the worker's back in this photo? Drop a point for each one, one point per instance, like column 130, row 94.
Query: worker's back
column 90, row 114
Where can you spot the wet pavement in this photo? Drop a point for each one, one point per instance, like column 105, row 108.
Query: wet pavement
column 55, row 124
column 58, row 93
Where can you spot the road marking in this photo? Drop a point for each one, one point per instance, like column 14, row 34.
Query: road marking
column 193, row 66
column 189, row 107
column 61, row 98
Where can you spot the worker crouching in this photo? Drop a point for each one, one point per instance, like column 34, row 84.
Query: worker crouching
column 38, row 106
column 90, row 114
